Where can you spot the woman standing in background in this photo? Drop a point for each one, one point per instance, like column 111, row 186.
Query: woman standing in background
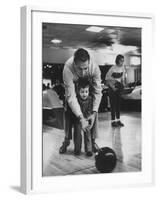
column 115, row 80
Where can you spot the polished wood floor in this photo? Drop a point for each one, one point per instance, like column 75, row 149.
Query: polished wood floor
column 126, row 142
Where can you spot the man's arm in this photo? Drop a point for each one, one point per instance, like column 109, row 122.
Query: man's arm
column 97, row 89
column 71, row 97
column 70, row 92
column 97, row 94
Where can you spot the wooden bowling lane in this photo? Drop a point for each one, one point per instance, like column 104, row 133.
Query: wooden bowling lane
column 62, row 164
column 125, row 141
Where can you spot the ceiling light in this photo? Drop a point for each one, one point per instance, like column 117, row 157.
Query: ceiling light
column 95, row 29
column 56, row 41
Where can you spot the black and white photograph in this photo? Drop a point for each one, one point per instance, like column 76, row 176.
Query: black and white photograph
column 86, row 90
column 91, row 99
column 79, row 100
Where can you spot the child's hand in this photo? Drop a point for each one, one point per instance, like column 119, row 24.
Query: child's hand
column 91, row 120
column 87, row 129
column 84, row 124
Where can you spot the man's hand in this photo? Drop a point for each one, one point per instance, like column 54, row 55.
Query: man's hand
column 91, row 120
column 84, row 123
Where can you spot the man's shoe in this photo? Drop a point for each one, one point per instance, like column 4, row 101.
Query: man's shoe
column 64, row 146
column 119, row 123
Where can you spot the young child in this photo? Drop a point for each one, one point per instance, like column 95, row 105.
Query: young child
column 86, row 103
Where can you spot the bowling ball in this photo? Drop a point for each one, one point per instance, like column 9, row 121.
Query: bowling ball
column 105, row 160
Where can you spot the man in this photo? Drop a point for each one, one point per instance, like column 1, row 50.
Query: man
column 80, row 65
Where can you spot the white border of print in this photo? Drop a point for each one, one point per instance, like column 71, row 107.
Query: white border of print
column 31, row 101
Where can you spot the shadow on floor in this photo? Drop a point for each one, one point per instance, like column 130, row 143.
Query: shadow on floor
column 16, row 188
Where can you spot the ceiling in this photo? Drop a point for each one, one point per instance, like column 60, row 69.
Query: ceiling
column 75, row 36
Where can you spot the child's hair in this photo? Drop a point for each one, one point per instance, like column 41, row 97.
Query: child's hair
column 83, row 83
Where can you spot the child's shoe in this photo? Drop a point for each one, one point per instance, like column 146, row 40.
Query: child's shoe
column 114, row 124
column 77, row 153
column 119, row 123
column 89, row 154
